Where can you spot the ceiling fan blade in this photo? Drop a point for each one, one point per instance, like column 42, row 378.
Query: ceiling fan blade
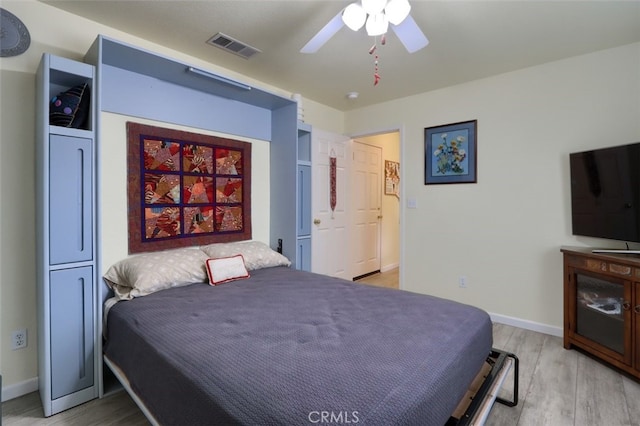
column 410, row 35
column 323, row 36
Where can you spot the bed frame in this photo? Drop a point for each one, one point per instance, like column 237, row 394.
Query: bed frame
column 475, row 406
column 473, row 409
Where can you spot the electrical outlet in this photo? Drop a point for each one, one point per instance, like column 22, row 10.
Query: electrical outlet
column 462, row 282
column 19, row 339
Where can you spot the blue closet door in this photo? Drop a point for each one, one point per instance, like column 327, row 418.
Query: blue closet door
column 304, row 200
column 303, row 254
column 70, row 213
column 72, row 326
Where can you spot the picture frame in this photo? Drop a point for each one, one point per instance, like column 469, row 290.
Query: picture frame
column 392, row 178
column 451, row 153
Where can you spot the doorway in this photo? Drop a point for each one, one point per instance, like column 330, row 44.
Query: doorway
column 333, row 239
column 366, row 208
column 389, row 201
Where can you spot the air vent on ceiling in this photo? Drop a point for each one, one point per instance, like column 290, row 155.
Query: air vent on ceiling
column 232, row 45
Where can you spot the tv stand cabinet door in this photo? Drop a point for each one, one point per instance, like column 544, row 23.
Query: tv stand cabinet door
column 636, row 316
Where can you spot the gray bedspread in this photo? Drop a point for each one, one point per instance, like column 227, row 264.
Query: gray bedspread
column 286, row 347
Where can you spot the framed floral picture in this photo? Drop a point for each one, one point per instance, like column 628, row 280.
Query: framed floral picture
column 451, row 153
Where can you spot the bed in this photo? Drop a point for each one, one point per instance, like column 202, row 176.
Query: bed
column 287, row 347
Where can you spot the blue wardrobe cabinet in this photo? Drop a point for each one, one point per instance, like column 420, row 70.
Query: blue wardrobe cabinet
column 66, row 236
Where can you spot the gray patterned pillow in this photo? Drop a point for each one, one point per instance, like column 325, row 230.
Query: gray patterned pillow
column 147, row 273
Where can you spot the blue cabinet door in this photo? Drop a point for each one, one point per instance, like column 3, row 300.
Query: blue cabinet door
column 70, row 199
column 71, row 324
column 303, row 254
column 304, row 200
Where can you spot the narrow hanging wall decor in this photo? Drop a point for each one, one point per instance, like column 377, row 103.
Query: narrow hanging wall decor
column 333, row 165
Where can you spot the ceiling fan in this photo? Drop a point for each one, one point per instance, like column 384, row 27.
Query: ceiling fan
column 376, row 16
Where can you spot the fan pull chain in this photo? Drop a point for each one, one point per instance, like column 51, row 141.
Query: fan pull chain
column 374, row 48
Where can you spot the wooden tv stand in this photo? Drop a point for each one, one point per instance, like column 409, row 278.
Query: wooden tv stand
column 602, row 306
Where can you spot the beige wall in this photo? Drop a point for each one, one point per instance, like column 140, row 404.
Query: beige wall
column 504, row 233
column 323, row 117
column 60, row 33
column 113, row 191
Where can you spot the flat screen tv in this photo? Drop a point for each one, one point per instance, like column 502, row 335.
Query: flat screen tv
column 605, row 193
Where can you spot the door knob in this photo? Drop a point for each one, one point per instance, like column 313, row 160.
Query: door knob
column 380, row 216
column 316, row 221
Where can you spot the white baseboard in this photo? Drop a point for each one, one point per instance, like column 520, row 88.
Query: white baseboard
column 389, row 267
column 527, row 325
column 19, row 389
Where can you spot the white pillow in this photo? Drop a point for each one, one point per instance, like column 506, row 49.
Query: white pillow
column 226, row 269
column 147, row 273
column 256, row 254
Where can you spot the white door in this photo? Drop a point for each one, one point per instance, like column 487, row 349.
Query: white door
column 366, row 199
column 329, row 239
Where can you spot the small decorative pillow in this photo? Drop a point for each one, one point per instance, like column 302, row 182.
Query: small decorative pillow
column 256, row 254
column 225, row 269
column 70, row 108
column 147, row 273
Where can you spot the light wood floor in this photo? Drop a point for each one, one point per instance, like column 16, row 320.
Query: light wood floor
column 562, row 387
column 557, row 387
column 390, row 279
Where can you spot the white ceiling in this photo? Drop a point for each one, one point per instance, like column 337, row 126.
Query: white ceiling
column 468, row 40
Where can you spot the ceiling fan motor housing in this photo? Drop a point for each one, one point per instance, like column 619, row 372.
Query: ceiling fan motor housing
column 377, row 14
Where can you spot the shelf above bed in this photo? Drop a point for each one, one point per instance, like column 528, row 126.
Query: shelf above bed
column 138, row 60
column 136, row 82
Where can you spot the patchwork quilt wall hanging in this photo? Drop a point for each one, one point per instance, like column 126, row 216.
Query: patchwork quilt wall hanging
column 186, row 189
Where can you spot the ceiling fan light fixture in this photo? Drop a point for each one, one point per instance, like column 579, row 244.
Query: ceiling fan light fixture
column 397, row 10
column 354, row 16
column 377, row 24
column 373, row 7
